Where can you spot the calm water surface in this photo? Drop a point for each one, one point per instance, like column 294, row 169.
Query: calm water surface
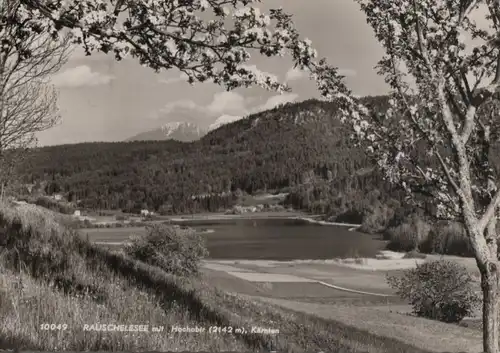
column 268, row 239
column 284, row 239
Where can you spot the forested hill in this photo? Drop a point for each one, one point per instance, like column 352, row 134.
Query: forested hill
column 284, row 147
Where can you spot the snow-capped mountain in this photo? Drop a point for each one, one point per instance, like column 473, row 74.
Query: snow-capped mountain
column 180, row 131
column 183, row 128
column 183, row 131
column 223, row 120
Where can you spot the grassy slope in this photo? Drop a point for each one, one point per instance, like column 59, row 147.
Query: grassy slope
column 425, row 334
column 64, row 279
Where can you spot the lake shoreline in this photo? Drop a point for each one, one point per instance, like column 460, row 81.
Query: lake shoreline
column 295, row 215
column 222, row 216
column 276, row 236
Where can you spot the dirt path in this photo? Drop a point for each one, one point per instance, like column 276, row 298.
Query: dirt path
column 422, row 333
column 329, row 274
column 303, row 291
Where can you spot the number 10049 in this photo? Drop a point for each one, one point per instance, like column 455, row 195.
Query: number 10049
column 53, row 327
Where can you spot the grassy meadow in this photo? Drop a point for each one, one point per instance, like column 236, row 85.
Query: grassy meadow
column 50, row 274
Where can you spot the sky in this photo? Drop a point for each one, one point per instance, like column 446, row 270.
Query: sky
column 101, row 99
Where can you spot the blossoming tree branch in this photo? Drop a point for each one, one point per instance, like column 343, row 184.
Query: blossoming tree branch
column 208, row 40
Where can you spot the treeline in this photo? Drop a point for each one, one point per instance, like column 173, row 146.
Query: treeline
column 291, row 145
column 384, row 211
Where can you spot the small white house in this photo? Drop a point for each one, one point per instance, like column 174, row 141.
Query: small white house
column 77, row 213
column 58, row 197
column 144, row 212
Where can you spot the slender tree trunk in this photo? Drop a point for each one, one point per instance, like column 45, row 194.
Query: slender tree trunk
column 489, row 283
column 490, row 289
column 490, row 315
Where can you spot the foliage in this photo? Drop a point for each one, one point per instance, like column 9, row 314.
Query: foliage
column 173, row 249
column 54, row 205
column 448, row 238
column 409, row 235
column 376, row 217
column 440, row 290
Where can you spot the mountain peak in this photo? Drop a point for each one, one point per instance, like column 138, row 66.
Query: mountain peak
column 176, row 127
column 177, row 130
column 182, row 130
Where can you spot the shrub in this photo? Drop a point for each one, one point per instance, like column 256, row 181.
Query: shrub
column 175, row 250
column 439, row 290
column 376, row 217
column 448, row 238
column 409, row 235
column 349, row 216
column 53, row 205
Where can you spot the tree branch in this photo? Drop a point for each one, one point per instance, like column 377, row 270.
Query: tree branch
column 420, row 40
column 490, row 211
column 469, row 123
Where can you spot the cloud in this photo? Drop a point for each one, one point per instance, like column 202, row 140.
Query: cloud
column 295, row 74
column 224, row 105
column 77, row 53
column 80, row 76
column 183, row 77
column 228, row 103
column 168, row 81
column 258, row 72
column 276, row 100
column 181, row 104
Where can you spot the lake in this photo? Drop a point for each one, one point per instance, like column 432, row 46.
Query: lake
column 270, row 239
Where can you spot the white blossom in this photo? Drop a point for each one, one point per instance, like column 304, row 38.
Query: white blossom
column 165, row 34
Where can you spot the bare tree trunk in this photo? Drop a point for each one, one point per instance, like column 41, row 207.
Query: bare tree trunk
column 490, row 289
column 489, row 283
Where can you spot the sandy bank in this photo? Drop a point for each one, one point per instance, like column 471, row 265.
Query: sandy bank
column 325, row 223
column 387, row 261
column 391, row 260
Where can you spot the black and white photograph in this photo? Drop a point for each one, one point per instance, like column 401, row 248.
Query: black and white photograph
column 250, row 176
